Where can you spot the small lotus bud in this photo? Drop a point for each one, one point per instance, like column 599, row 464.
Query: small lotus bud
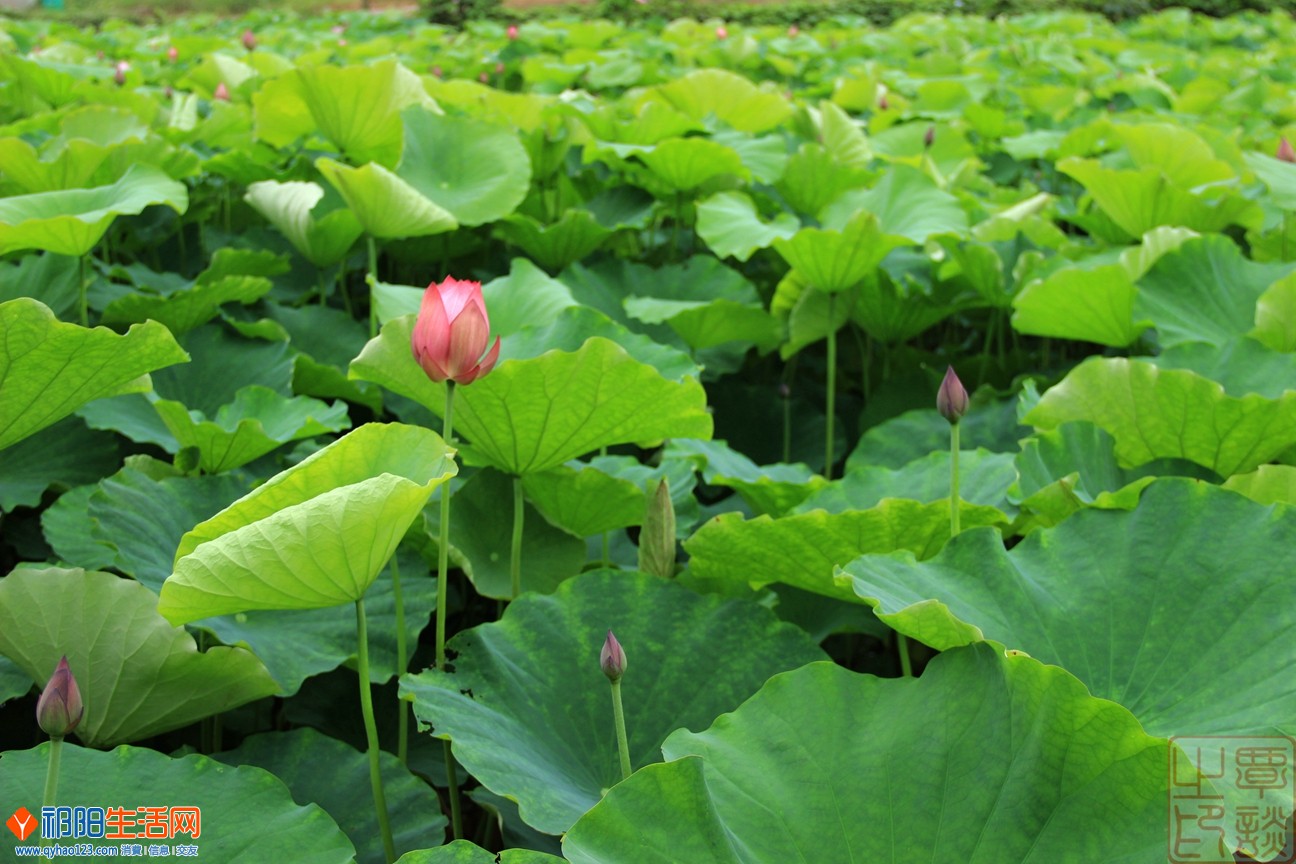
column 1285, row 151
column 338, row 29
column 499, row 68
column 168, row 92
column 612, row 658
column 119, row 74
column 483, row 77
column 929, row 138
column 793, row 31
column 657, row 538
column 784, row 391
column 722, row 32
column 883, row 104
column 59, row 709
column 173, row 54
column 342, row 43
column 222, row 92
column 952, row 398
column 249, row 40
column 436, row 72
column 512, row 32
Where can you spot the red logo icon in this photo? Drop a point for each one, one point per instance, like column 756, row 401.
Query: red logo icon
column 21, row 823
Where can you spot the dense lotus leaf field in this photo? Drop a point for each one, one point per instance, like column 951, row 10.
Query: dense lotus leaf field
column 729, row 269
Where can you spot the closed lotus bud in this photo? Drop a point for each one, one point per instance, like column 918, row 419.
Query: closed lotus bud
column 883, row 104
column 338, row 29
column 436, row 72
column 657, row 538
column 929, row 138
column 499, row 68
column 793, row 31
column 249, row 40
column 1285, row 151
column 342, row 43
column 512, row 32
column 59, row 709
column 483, row 77
column 173, row 54
column 952, row 398
column 612, row 658
column 222, row 92
column 722, row 32
column 119, row 74
column 452, row 333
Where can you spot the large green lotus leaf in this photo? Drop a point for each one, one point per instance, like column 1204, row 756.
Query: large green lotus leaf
column 13, row 681
column 832, row 260
column 907, row 204
column 984, row 758
column 328, row 772
column 56, row 84
column 1180, row 154
column 247, row 815
column 315, row 535
column 810, row 315
column 550, row 745
column 896, row 442
column 51, row 279
column 1156, row 413
column 463, row 852
column 897, row 306
column 191, row 307
column 131, row 415
column 256, row 422
column 325, row 237
column 1275, row 318
column 1125, row 600
column 48, row 369
column 481, row 532
column 812, row 178
column 1268, row 484
column 686, row 163
column 728, row 223
column 984, row 479
column 728, row 96
column 67, row 529
column 764, row 156
column 355, row 107
column 1204, row 291
column 477, row 171
column 706, row 324
column 139, row 676
column 584, row 501
column 67, row 454
column 1138, row 201
column 842, row 137
column 1242, row 365
column 801, row 550
column 574, row 236
column 537, row 413
column 71, row 221
column 766, row 489
column 386, row 205
column 1278, row 176
column 224, row 363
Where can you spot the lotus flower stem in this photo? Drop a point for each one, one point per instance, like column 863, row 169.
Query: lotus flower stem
column 373, row 281
column 954, row 480
column 81, row 290
column 443, row 576
column 618, row 717
column 1284, row 236
column 607, row 557
column 902, row 649
column 402, row 660
column 785, row 394
column 452, row 791
column 831, row 400
column 52, row 772
column 371, row 731
column 612, row 660
column 515, row 557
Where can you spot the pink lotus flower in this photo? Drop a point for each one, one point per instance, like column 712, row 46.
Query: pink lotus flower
column 59, row 709
column 612, row 659
column 249, row 40
column 452, row 331
column 883, row 104
column 119, row 74
column 1285, row 151
column 722, row 32
column 512, row 32
column 436, row 70
column 952, row 397
column 173, row 54
column 222, row 92
column 793, row 31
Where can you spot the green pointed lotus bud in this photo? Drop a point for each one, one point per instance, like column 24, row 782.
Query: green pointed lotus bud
column 612, row 658
column 952, row 398
column 59, row 709
column 657, row 538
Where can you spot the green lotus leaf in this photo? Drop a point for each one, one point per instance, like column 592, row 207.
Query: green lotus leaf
column 67, row 454
column 813, row 179
column 833, row 260
column 770, row 782
column 583, row 500
column 324, row 238
column 139, row 676
column 842, row 137
column 56, row 86
column 1156, row 413
column 896, row 442
column 574, row 236
column 246, row 814
column 57, row 276
column 463, row 852
column 1179, row 153
column 728, row 223
column 71, row 221
column 684, row 164
column 386, row 205
column 984, row 480
column 537, row 413
column 13, row 681
column 1268, row 484
column 801, row 550
column 67, row 529
column 559, row 728
column 767, row 489
column 1275, row 318
column 326, row 772
column 907, row 204
column 188, row 308
column 706, row 324
column 1278, row 176
column 313, row 536
column 1242, row 365
column 49, row 369
column 1125, row 600
column 258, row 421
column 728, row 96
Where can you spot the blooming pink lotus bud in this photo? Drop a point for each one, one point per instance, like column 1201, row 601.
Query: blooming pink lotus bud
column 1285, row 151
column 452, row 331
column 249, row 40
column 793, row 31
column 722, row 32
column 612, row 658
column 59, row 709
column 173, row 54
column 929, row 138
column 512, row 32
column 952, row 398
column 222, row 92
column 119, row 74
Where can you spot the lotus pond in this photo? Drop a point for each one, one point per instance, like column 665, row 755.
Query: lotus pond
column 728, row 269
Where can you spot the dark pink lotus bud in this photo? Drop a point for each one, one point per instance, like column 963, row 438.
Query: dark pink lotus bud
column 222, row 92
column 119, row 74
column 173, row 54
column 512, row 32
column 59, row 709
column 929, row 138
column 249, row 40
column 883, row 104
column 1285, row 151
column 952, row 398
column 436, row 72
column 452, row 332
column 612, row 658
column 722, row 32
column 168, row 92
